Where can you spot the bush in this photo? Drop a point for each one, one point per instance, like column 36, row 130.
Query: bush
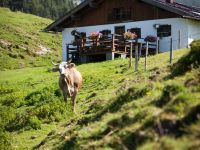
column 14, row 99
column 34, row 123
column 48, row 104
column 189, row 61
column 40, row 97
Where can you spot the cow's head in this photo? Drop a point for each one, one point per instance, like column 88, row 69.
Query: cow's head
column 63, row 67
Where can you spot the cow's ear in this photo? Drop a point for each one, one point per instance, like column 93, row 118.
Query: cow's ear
column 71, row 65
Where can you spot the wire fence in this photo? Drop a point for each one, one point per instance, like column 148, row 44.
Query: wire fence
column 170, row 41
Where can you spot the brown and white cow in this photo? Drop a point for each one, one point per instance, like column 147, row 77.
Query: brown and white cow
column 70, row 80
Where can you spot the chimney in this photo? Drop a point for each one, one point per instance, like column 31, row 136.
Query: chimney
column 170, row 1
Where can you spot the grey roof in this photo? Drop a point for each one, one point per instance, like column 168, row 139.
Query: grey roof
column 180, row 9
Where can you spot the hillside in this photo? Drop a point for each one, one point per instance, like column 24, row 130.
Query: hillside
column 22, row 44
column 116, row 107
column 46, row 8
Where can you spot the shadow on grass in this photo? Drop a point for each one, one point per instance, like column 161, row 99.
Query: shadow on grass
column 186, row 63
column 130, row 95
column 169, row 91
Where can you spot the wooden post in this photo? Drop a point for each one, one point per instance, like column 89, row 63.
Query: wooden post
column 146, row 53
column 140, row 51
column 96, row 43
column 157, row 46
column 179, row 39
column 113, row 42
column 136, row 55
column 131, row 54
column 171, row 51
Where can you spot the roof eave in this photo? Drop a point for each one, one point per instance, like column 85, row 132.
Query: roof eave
column 193, row 18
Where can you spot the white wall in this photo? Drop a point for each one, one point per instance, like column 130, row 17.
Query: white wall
column 146, row 29
column 193, row 30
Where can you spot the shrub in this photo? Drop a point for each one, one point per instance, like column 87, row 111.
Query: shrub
column 14, row 99
column 47, row 105
column 189, row 61
column 40, row 97
column 34, row 123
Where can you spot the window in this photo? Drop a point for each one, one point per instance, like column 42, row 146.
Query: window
column 119, row 30
column 119, row 14
column 105, row 32
column 137, row 31
column 164, row 31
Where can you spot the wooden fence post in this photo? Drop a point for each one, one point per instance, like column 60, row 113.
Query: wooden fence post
column 140, row 51
column 146, row 53
column 179, row 39
column 171, row 50
column 136, row 55
column 157, row 46
column 113, row 42
column 131, row 54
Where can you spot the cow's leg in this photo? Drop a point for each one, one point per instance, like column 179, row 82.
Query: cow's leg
column 74, row 100
column 64, row 91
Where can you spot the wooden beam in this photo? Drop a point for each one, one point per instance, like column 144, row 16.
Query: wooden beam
column 93, row 5
column 75, row 17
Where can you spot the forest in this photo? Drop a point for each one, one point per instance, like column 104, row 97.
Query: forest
column 52, row 9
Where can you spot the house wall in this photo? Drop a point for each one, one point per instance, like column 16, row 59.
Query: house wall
column 139, row 11
column 193, row 30
column 146, row 29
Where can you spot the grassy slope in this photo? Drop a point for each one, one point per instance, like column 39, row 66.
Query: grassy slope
column 23, row 32
column 117, row 108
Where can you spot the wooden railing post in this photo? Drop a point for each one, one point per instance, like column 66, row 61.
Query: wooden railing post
column 131, row 54
column 157, row 46
column 171, row 51
column 146, row 53
column 140, row 51
column 179, row 39
column 113, row 42
column 136, row 55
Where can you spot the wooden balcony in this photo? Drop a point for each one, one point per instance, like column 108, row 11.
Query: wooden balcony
column 110, row 46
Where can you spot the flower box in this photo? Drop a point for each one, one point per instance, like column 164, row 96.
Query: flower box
column 129, row 35
column 150, row 38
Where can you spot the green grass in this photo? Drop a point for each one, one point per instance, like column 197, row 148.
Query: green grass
column 117, row 108
column 24, row 33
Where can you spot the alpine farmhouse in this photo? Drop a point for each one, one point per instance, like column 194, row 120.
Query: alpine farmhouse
column 164, row 19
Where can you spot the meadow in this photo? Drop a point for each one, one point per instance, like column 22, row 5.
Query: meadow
column 117, row 108
column 22, row 42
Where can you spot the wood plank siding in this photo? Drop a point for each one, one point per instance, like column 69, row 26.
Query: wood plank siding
column 137, row 10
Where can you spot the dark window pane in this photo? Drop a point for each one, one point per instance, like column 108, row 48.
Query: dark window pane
column 164, row 31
